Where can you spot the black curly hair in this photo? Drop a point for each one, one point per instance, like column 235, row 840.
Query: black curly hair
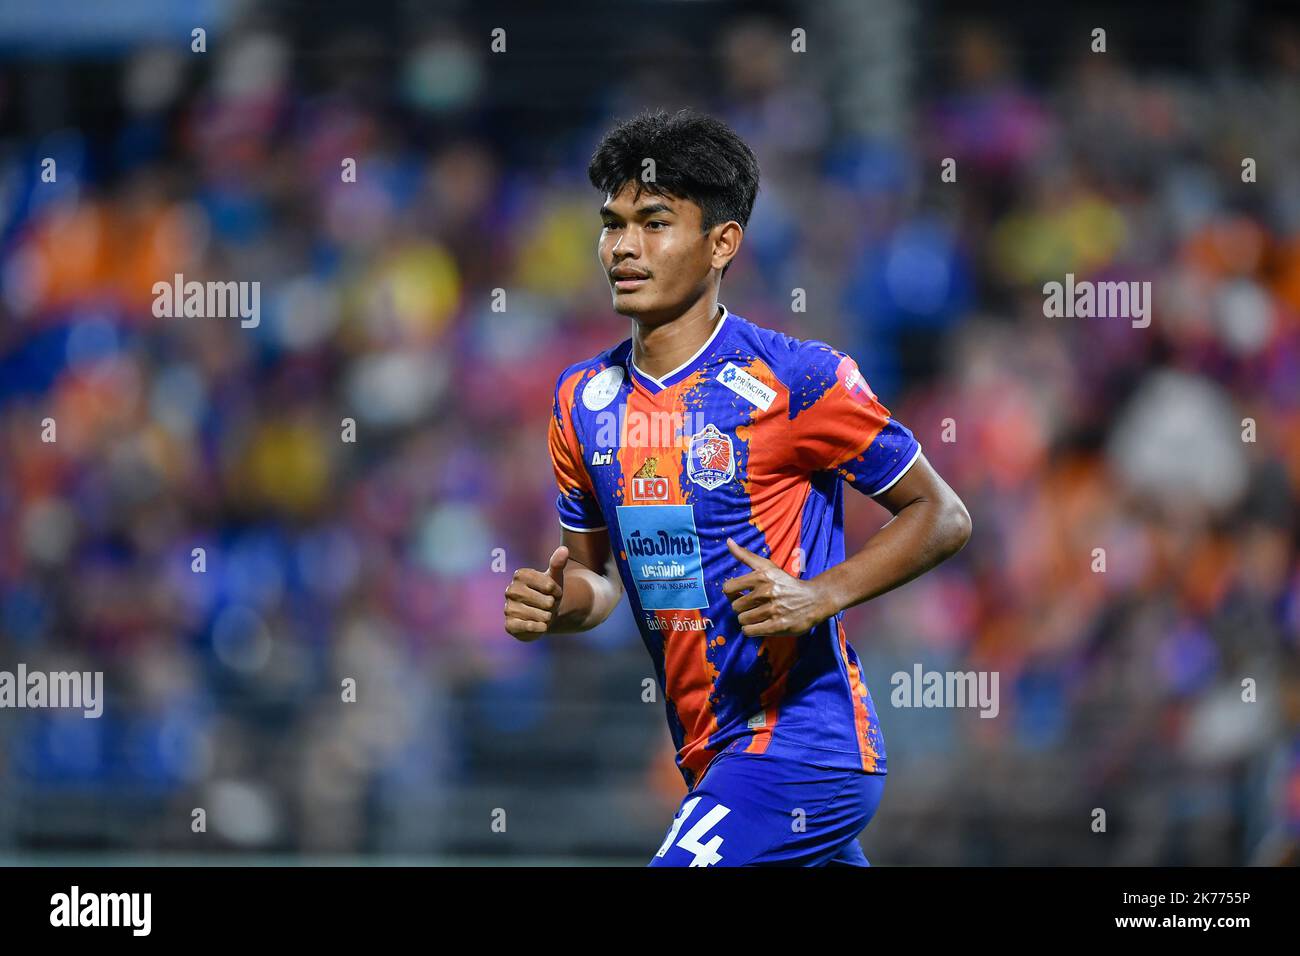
column 696, row 157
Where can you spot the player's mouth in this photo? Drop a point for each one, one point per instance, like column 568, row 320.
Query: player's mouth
column 628, row 280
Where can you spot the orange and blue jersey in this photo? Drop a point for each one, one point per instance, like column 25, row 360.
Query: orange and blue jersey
column 753, row 438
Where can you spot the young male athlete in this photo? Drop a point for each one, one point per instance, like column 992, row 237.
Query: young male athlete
column 700, row 466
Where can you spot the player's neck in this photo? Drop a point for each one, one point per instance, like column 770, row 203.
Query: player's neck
column 660, row 349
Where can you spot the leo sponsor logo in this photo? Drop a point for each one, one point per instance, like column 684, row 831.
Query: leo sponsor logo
column 647, row 485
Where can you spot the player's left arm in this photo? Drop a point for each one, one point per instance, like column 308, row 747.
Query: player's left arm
column 840, row 424
column 930, row 525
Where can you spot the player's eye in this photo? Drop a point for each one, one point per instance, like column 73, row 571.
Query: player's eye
column 610, row 224
column 655, row 222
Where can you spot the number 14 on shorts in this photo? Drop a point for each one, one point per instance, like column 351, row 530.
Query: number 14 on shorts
column 706, row 854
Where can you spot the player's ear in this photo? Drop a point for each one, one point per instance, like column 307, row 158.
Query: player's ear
column 727, row 237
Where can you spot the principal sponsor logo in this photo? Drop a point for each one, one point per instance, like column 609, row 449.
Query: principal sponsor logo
column 747, row 386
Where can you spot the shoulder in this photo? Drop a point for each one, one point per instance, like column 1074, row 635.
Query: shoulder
column 806, row 367
column 574, row 375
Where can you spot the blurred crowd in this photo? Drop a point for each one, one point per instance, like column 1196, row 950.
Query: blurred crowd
column 232, row 522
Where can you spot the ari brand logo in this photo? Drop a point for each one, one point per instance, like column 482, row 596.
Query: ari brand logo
column 709, row 460
column 747, row 386
column 647, row 485
column 602, row 458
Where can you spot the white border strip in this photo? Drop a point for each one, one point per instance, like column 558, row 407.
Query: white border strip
column 569, row 527
column 906, row 469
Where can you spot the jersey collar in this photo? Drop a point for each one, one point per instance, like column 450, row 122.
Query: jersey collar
column 686, row 369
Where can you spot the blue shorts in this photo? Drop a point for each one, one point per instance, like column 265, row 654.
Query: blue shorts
column 759, row 810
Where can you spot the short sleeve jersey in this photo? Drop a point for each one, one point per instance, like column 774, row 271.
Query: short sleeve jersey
column 753, row 438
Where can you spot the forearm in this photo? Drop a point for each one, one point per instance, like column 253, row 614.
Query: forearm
column 923, row 534
column 589, row 598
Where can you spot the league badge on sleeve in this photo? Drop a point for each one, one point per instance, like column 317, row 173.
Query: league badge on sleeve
column 853, row 381
column 710, row 460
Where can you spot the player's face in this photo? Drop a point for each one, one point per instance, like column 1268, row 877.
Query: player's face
column 654, row 255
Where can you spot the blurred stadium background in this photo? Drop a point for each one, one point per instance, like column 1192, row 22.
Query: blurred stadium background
column 373, row 560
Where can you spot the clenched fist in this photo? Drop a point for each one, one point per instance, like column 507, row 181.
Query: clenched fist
column 533, row 597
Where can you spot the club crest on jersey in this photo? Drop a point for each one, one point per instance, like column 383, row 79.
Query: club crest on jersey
column 602, row 387
column 710, row 460
column 647, row 485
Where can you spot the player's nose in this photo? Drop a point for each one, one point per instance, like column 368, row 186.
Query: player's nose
column 628, row 246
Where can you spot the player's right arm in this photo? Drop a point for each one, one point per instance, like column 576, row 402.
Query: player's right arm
column 580, row 586
column 578, row 590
